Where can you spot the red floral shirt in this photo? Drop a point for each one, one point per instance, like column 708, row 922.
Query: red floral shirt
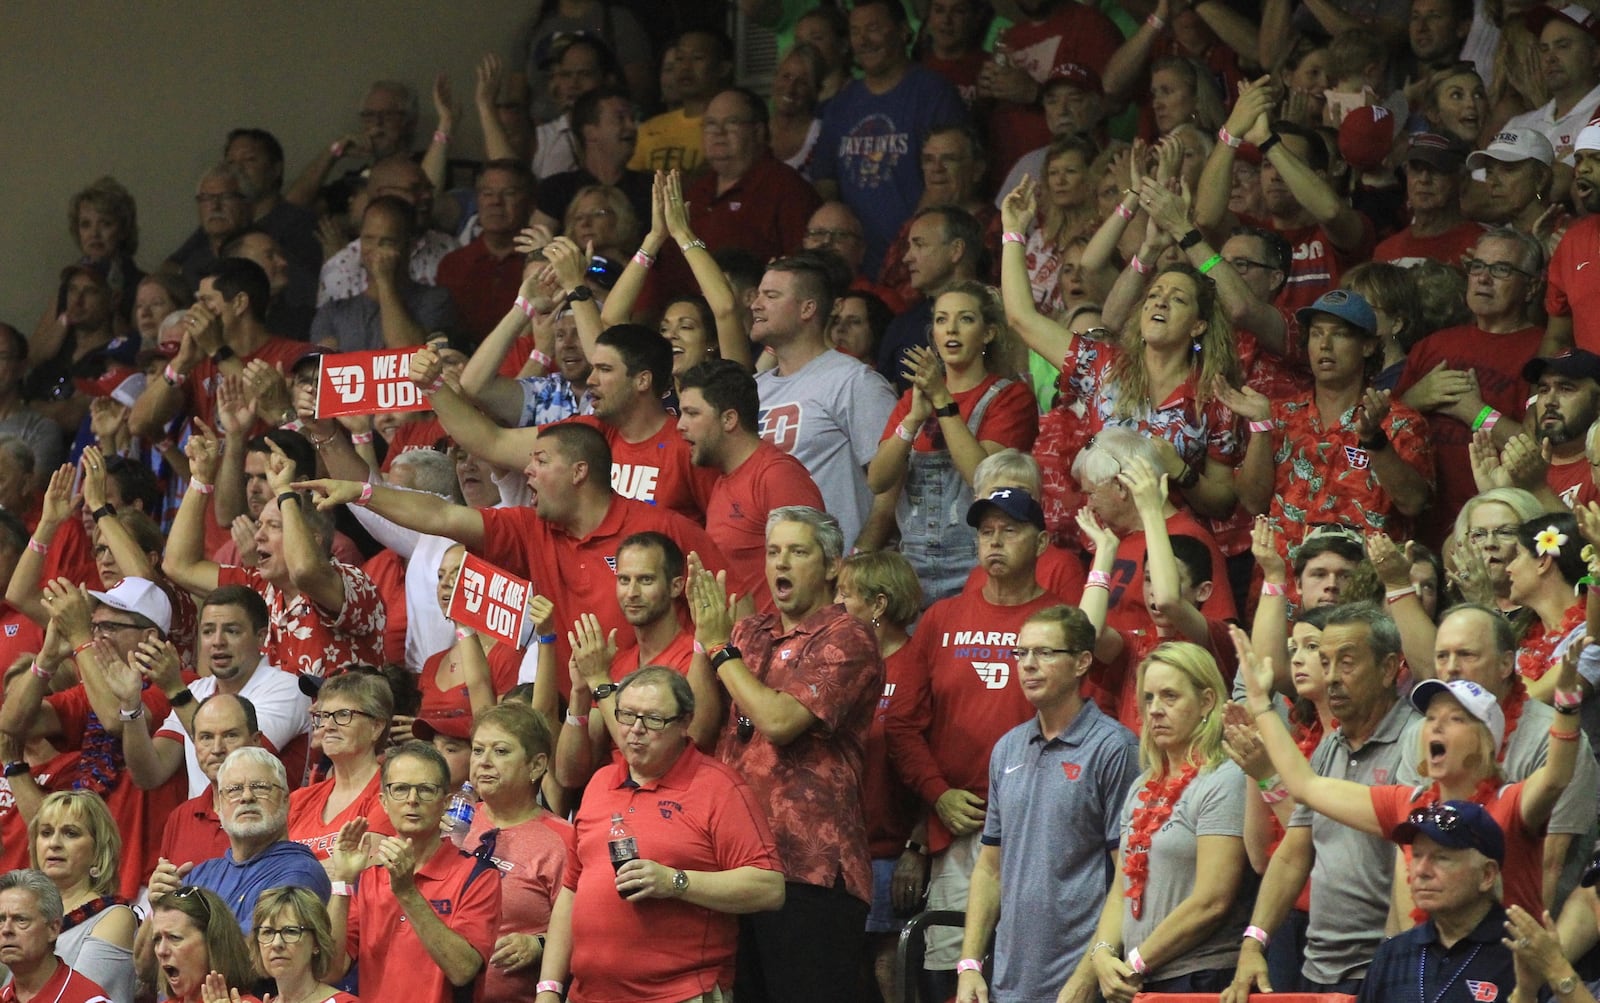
column 305, row 639
column 1324, row 476
column 812, row 786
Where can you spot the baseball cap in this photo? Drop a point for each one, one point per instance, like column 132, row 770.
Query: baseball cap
column 1461, row 825
column 306, row 353
column 1574, row 362
column 1513, row 146
column 1366, row 136
column 1579, row 17
column 140, row 596
column 1588, row 139
column 451, row 724
column 1479, row 702
column 1014, row 502
column 1075, row 75
column 129, row 388
column 1442, row 153
column 1348, row 306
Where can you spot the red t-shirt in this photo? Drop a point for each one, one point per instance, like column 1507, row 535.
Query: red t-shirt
column 657, row 470
column 194, row 831
column 959, row 695
column 308, row 804
column 420, row 434
column 700, row 816
column 962, row 71
column 65, row 986
column 379, row 932
column 812, row 786
column 892, row 807
column 1071, row 33
column 1317, row 263
column 1324, row 476
column 18, row 635
column 1406, row 248
column 1012, row 418
column 481, row 286
column 579, row 576
column 505, row 664
column 305, row 639
column 140, row 815
column 1569, row 292
column 1572, row 482
column 1059, row 570
column 1498, row 360
column 1523, row 871
column 677, row 655
column 200, row 389
column 532, row 858
column 736, row 515
column 71, row 553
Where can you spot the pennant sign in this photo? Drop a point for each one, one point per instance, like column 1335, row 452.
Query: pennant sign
column 490, row 601
column 368, row 383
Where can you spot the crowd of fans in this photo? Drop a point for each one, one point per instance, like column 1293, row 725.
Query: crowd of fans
column 897, row 461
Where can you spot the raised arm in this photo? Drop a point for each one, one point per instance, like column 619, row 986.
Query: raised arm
column 1257, row 476
column 777, row 715
column 418, row 510
column 1127, row 64
column 436, row 159
column 309, row 564
column 1052, row 341
column 1216, row 178
column 1096, row 600
column 568, row 262
column 1544, row 786
column 619, row 305
column 471, row 428
column 732, row 342
column 1149, row 491
column 185, row 561
column 1417, row 629
column 114, row 536
column 485, row 94
column 1269, row 632
column 22, row 591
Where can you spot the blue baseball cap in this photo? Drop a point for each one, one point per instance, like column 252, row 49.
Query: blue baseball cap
column 1014, row 502
column 1350, row 307
column 1462, row 825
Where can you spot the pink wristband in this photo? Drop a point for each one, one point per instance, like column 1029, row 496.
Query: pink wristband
column 360, row 438
column 644, row 259
column 172, row 376
column 969, row 965
column 202, row 487
column 1157, row 24
column 525, row 305
column 1123, row 211
column 1098, row 580
column 440, row 136
column 1012, row 237
column 1261, row 426
column 901, row 433
column 1258, row 935
column 37, row 547
column 366, row 494
column 542, row 359
column 1273, row 589
column 1490, row 422
column 1137, row 264
column 1567, row 698
column 39, row 672
column 1136, row 962
column 436, row 385
column 462, row 633
column 548, row 987
column 1224, row 136
column 336, row 148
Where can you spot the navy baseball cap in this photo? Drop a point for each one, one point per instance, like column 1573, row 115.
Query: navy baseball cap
column 1463, row 825
column 1574, row 363
column 1350, row 307
column 1014, row 502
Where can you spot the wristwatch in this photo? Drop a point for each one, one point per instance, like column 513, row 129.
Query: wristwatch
column 181, row 698
column 680, row 882
column 223, row 354
column 580, row 294
column 1563, row 987
column 103, row 511
column 950, row 410
column 604, row 690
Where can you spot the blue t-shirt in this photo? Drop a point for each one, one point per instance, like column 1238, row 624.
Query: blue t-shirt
column 282, row 863
column 871, row 144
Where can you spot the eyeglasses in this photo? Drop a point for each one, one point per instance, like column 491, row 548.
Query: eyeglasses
column 592, row 216
column 1497, row 269
column 1504, row 534
column 1245, row 264
column 1042, row 654
column 340, row 717
column 652, row 722
column 831, row 236
column 259, row 789
column 100, row 627
column 403, row 792
column 194, row 892
column 290, row 934
column 717, row 128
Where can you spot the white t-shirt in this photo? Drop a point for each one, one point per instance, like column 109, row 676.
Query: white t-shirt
column 283, row 714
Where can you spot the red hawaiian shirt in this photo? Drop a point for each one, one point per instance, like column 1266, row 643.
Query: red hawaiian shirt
column 305, row 639
column 812, row 786
column 1324, row 476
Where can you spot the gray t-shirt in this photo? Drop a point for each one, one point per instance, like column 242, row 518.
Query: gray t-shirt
column 1212, row 805
column 1352, row 875
column 830, row 416
column 1574, row 813
column 353, row 324
column 1053, row 811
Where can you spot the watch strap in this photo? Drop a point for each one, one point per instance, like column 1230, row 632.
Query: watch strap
column 950, row 410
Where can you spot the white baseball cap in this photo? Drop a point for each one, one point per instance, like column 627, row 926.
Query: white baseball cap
column 1513, row 146
column 1588, row 139
column 141, row 596
column 1479, row 702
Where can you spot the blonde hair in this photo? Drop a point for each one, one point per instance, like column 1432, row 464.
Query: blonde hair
column 87, row 809
column 1005, row 354
column 886, row 573
column 1216, row 352
column 1197, row 666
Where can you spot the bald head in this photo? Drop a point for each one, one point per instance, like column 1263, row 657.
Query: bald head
column 222, row 723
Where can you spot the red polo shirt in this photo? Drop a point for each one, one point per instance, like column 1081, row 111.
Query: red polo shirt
column 700, row 816
column 200, row 389
column 579, row 575
column 65, row 986
column 764, row 212
column 194, row 831
column 676, row 656
column 482, row 285
column 18, row 634
column 379, row 931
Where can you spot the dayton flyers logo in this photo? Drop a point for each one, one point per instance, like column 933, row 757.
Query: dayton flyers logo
column 1358, row 458
column 1072, row 770
column 1483, row 992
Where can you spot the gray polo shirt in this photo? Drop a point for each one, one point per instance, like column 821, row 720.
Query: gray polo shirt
column 1574, row 813
column 1212, row 805
column 354, row 323
column 1054, row 812
column 1352, row 875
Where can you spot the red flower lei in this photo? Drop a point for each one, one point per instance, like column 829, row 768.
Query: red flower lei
column 1512, row 708
column 1485, row 790
column 1534, row 654
column 1156, row 801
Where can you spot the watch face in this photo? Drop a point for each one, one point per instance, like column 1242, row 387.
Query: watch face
column 604, row 690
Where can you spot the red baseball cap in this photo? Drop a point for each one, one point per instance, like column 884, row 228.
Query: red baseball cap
column 1075, row 75
column 1578, row 16
column 1366, row 136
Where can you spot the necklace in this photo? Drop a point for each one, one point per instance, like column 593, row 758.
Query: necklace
column 1534, row 655
column 1156, row 802
column 1422, row 975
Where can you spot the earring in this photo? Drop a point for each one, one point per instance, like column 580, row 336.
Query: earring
column 94, row 872
column 1197, row 346
column 876, row 623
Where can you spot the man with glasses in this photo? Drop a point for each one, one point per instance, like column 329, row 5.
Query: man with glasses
column 421, row 923
column 1469, row 378
column 232, row 647
column 836, row 229
column 30, row 922
column 260, row 855
column 660, row 926
column 1056, row 783
column 224, row 201
column 388, row 117
column 343, row 274
column 961, row 694
column 484, row 276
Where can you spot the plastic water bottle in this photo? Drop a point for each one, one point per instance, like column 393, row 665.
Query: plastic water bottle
column 623, row 846
column 462, row 808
